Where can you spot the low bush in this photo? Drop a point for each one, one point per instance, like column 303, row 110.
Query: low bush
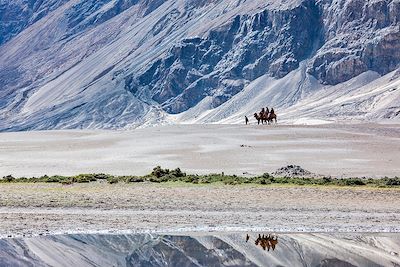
column 353, row 182
column 8, row 178
column 134, row 179
column 393, row 181
column 101, row 176
column 177, row 173
column 159, row 172
column 112, row 180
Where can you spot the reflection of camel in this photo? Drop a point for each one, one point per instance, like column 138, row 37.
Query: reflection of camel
column 274, row 242
column 266, row 242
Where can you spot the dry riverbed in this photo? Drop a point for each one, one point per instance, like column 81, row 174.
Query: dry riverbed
column 32, row 209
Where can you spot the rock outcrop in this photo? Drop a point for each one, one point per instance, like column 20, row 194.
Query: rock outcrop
column 358, row 36
column 15, row 16
column 229, row 56
column 342, row 39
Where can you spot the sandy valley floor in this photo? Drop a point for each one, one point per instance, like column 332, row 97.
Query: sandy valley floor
column 340, row 150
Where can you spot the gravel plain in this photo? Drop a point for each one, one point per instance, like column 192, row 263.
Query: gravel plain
column 33, row 209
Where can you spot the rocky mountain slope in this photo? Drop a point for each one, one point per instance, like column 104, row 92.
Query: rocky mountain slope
column 124, row 63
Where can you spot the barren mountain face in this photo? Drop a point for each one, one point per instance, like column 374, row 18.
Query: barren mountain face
column 124, row 63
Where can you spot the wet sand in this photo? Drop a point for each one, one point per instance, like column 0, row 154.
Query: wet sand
column 33, row 209
column 370, row 150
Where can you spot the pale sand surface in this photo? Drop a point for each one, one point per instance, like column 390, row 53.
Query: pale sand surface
column 31, row 209
column 339, row 150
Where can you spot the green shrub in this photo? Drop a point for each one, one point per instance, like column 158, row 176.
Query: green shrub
column 101, row 176
column 260, row 180
column 53, row 179
column 159, row 172
column 112, row 180
column 134, row 179
column 155, row 179
column 266, row 175
column 193, row 178
column 8, row 178
column 327, row 180
column 178, row 173
column 353, row 181
column 203, row 180
column 85, row 178
column 67, row 181
column 393, row 181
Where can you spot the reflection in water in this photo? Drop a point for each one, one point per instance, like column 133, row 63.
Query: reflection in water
column 265, row 241
column 203, row 249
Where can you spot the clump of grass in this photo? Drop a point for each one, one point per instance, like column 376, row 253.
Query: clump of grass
column 133, row 179
column 113, row 180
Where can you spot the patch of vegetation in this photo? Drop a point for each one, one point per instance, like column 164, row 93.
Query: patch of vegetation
column 160, row 175
column 392, row 181
column 8, row 178
column 133, row 179
column 113, row 180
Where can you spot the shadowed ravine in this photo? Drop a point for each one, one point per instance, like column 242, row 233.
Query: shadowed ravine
column 229, row 249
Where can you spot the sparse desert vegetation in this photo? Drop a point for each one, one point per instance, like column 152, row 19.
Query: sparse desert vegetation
column 161, row 175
